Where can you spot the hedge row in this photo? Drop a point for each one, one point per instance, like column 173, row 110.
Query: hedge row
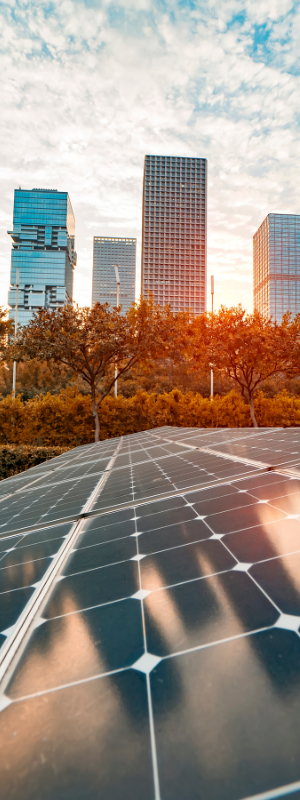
column 15, row 459
column 66, row 420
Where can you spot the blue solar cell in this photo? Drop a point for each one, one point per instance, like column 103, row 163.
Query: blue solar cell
column 162, row 659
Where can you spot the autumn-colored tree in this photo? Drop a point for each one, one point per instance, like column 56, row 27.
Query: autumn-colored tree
column 37, row 378
column 5, row 328
column 293, row 370
column 249, row 348
column 92, row 342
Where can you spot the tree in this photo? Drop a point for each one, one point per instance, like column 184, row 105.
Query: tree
column 6, row 327
column 37, row 378
column 92, row 342
column 249, row 348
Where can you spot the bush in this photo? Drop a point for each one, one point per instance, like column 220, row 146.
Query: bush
column 143, row 411
column 17, row 459
column 65, row 420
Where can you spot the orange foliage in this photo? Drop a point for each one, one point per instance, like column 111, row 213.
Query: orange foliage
column 278, row 411
column 248, row 348
column 66, row 419
column 93, row 342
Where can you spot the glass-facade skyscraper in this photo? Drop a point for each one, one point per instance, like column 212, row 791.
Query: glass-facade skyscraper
column 108, row 252
column 174, row 231
column 43, row 247
column 276, row 266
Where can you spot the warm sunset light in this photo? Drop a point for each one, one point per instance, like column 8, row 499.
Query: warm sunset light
column 149, row 400
column 89, row 88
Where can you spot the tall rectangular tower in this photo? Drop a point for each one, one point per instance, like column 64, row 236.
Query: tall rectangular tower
column 43, row 248
column 110, row 252
column 276, row 266
column 174, row 231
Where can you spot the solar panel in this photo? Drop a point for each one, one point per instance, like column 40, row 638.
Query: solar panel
column 274, row 447
column 24, row 560
column 150, row 619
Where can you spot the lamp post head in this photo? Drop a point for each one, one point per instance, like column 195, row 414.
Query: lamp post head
column 117, row 273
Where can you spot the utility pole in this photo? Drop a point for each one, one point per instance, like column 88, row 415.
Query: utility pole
column 212, row 289
column 118, row 303
column 16, row 325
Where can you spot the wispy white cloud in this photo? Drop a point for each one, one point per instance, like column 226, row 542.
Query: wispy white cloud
column 88, row 88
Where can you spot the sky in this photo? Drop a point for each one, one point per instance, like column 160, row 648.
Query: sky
column 88, row 87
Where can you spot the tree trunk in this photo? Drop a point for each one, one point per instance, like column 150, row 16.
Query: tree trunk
column 96, row 419
column 252, row 413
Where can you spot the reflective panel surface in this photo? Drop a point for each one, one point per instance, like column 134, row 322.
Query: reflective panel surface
column 162, row 657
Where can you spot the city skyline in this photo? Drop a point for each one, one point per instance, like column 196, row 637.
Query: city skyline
column 87, row 89
column 139, row 288
column 174, row 246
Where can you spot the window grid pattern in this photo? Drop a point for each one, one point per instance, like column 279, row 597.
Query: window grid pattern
column 276, row 266
column 43, row 242
column 110, row 251
column 174, row 241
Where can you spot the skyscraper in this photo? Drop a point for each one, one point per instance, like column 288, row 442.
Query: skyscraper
column 174, row 231
column 43, row 247
column 276, row 266
column 109, row 252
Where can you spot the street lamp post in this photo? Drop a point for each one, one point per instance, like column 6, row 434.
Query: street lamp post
column 16, row 325
column 118, row 303
column 212, row 289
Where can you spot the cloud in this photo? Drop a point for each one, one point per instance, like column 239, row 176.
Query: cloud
column 88, row 88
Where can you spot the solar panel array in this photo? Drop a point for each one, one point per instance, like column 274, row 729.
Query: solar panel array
column 150, row 619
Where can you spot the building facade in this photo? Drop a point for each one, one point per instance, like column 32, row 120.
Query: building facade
column 276, row 266
column 43, row 248
column 174, row 240
column 110, row 252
